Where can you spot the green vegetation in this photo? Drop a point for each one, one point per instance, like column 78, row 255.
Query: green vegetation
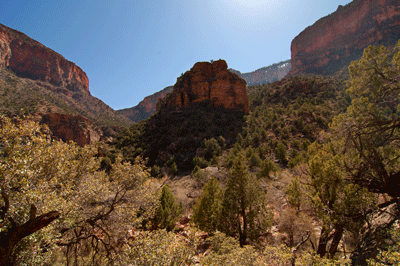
column 53, row 197
column 168, row 211
column 22, row 96
column 175, row 137
column 245, row 214
column 207, row 210
column 309, row 177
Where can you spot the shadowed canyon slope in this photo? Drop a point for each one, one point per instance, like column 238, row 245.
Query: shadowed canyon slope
column 146, row 107
column 334, row 41
column 209, row 82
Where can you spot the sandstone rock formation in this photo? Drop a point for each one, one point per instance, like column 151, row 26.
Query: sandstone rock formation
column 45, row 82
column 334, row 41
column 146, row 107
column 72, row 128
column 208, row 82
column 29, row 58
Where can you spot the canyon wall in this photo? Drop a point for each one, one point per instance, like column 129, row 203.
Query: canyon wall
column 146, row 107
column 267, row 74
column 31, row 59
column 335, row 40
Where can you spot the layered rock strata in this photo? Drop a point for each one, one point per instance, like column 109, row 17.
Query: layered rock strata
column 208, row 82
column 334, row 41
column 31, row 59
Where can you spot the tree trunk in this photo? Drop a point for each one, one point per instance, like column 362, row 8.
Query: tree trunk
column 323, row 241
column 337, row 236
column 10, row 238
column 243, row 232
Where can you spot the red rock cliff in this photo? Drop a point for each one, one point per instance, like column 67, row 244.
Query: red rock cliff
column 29, row 58
column 335, row 40
column 209, row 82
column 75, row 128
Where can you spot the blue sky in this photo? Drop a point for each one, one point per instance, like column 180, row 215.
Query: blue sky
column 132, row 48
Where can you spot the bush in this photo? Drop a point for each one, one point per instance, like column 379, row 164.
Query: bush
column 212, row 148
column 200, row 162
column 168, row 211
column 155, row 171
column 255, row 160
column 267, row 167
column 280, row 153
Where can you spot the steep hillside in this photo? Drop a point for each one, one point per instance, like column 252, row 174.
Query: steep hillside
column 146, row 107
column 334, row 41
column 290, row 114
column 267, row 74
column 36, row 80
column 207, row 102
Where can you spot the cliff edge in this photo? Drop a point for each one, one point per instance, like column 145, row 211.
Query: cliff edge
column 31, row 59
column 335, row 40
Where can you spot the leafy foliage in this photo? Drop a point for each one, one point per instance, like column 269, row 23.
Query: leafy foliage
column 286, row 116
column 52, row 195
column 168, row 211
column 370, row 127
column 160, row 248
column 170, row 135
column 207, row 210
column 243, row 207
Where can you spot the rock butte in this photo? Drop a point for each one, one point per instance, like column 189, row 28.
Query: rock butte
column 31, row 59
column 75, row 128
column 208, row 82
column 334, row 41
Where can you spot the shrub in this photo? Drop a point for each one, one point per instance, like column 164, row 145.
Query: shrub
column 168, row 211
column 267, row 167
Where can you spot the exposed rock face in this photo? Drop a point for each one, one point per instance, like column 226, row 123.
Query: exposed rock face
column 75, row 128
column 29, row 58
column 146, row 107
column 209, row 82
column 47, row 83
column 334, row 41
column 267, row 74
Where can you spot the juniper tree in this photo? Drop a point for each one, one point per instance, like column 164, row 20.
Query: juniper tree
column 244, row 212
column 207, row 209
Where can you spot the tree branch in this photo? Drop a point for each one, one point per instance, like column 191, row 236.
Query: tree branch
column 4, row 209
